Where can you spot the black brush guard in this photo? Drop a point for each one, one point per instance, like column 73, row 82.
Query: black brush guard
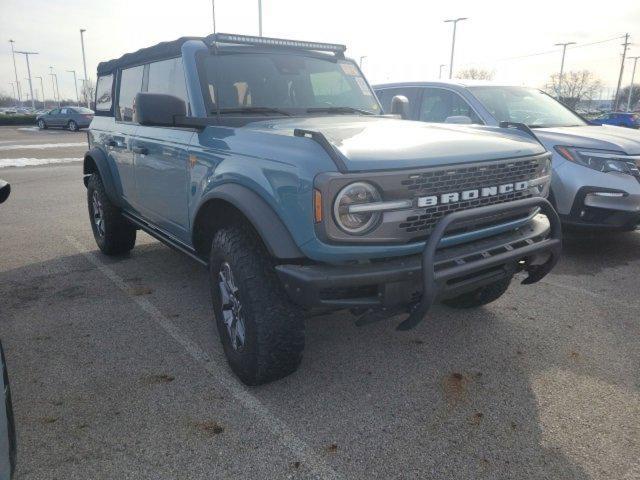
column 553, row 244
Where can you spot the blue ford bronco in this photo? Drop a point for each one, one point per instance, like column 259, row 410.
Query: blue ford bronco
column 270, row 162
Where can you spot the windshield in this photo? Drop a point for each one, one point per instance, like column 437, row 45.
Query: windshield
column 286, row 84
column 525, row 105
column 83, row 110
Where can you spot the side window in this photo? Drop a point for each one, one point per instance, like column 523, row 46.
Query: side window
column 130, row 86
column 439, row 104
column 167, row 77
column 104, row 87
column 385, row 96
column 55, row 111
column 64, row 111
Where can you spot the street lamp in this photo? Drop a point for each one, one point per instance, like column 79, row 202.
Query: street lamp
column 75, row 84
column 260, row 17
column 633, row 74
column 441, row 66
column 453, row 40
column 564, row 50
column 84, row 62
column 26, row 55
column 15, row 70
column 213, row 14
column 44, row 105
column 56, row 90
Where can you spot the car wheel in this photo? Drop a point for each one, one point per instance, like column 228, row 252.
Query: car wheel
column 113, row 233
column 481, row 296
column 72, row 126
column 42, row 125
column 261, row 331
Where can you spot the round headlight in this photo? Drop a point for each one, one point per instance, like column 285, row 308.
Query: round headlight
column 355, row 194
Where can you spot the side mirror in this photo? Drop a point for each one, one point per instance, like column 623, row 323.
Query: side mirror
column 5, row 190
column 400, row 106
column 460, row 119
column 158, row 109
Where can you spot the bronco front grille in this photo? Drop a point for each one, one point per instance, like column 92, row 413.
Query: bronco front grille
column 452, row 179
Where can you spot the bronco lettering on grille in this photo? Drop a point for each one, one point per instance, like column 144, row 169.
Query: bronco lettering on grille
column 453, row 197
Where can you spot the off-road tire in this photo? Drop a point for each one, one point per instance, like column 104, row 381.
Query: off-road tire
column 42, row 125
column 480, row 296
column 72, row 126
column 274, row 327
column 119, row 234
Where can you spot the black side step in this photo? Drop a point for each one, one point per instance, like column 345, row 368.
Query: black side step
column 170, row 242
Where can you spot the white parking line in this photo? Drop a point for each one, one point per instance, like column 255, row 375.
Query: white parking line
column 30, row 162
column 591, row 294
column 41, row 146
column 278, row 429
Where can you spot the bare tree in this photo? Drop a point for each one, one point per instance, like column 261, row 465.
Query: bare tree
column 475, row 74
column 576, row 86
column 88, row 91
column 635, row 97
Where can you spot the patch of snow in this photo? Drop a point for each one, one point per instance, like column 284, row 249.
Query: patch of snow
column 41, row 146
column 30, row 162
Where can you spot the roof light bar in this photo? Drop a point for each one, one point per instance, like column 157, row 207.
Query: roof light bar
column 274, row 42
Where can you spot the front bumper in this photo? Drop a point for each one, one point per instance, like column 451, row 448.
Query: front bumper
column 604, row 208
column 446, row 272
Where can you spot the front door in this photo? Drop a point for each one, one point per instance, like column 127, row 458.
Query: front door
column 161, row 167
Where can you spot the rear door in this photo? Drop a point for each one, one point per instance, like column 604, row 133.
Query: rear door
column 120, row 139
column 161, row 157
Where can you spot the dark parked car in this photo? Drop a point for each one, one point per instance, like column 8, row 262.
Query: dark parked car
column 7, row 424
column 621, row 119
column 73, row 118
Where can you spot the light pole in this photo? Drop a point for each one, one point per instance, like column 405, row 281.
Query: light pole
column 633, row 74
column 44, row 105
column 26, row 55
column 84, row 62
column 625, row 45
column 362, row 57
column 260, row 17
column 15, row 70
column 441, row 66
column 564, row 50
column 213, row 14
column 453, row 40
column 75, row 84
column 56, row 91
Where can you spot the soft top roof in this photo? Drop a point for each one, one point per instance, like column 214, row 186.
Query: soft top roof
column 173, row 49
column 149, row 54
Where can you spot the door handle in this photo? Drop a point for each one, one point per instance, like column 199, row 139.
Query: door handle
column 115, row 144
column 140, row 150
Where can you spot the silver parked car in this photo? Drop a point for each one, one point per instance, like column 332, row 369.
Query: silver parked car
column 596, row 181
column 73, row 118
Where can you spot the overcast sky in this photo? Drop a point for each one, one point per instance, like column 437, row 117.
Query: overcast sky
column 402, row 39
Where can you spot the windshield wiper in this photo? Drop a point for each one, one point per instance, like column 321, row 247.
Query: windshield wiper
column 339, row 110
column 263, row 110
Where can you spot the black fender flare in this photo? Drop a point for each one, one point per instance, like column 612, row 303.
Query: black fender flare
column 266, row 222
column 100, row 160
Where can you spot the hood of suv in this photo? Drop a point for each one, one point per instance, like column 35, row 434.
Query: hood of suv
column 605, row 137
column 375, row 143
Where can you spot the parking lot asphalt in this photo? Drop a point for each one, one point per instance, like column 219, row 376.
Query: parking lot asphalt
column 117, row 370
